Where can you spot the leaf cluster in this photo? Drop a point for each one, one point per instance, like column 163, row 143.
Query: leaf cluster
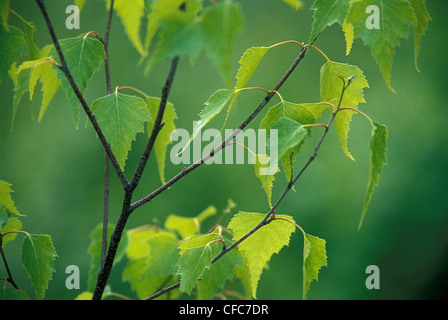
column 38, row 254
column 179, row 253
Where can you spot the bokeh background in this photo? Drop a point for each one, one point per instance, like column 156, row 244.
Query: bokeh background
column 57, row 171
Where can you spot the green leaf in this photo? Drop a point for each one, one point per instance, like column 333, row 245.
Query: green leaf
column 326, row 13
column 38, row 256
column 84, row 57
column 4, row 12
column 377, row 161
column 30, row 31
column 48, row 78
column 3, row 220
column 13, row 224
column 158, row 10
column 305, row 113
column 6, row 203
column 314, row 257
column 20, row 87
column 249, row 62
column 164, row 136
column 84, row 296
column 8, row 293
column 42, row 71
column 144, row 287
column 291, row 134
column 295, row 4
column 13, row 46
column 265, row 174
column 80, row 4
column 423, row 17
column 137, row 242
column 191, row 266
column 243, row 275
column 121, row 117
column 163, row 254
column 131, row 13
column 212, row 107
column 223, row 270
column 220, row 24
column 186, row 226
column 333, row 75
column 193, row 6
column 395, row 18
column 180, row 35
column 196, row 241
column 261, row 245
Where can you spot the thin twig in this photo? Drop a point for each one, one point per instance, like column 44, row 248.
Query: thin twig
column 106, row 157
column 163, row 291
column 5, row 262
column 106, row 47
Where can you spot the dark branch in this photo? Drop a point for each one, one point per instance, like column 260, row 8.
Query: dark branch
column 106, row 157
column 157, row 123
column 163, row 291
column 104, row 273
column 10, row 278
column 106, row 47
column 126, row 210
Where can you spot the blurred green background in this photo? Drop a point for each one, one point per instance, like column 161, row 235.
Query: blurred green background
column 57, row 171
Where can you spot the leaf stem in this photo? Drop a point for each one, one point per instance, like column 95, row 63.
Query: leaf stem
column 329, row 104
column 358, row 111
column 244, row 146
column 263, row 89
column 302, row 45
column 287, row 41
column 91, row 33
column 321, row 52
column 287, row 220
column 314, row 125
column 17, row 15
column 133, row 89
column 221, row 238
